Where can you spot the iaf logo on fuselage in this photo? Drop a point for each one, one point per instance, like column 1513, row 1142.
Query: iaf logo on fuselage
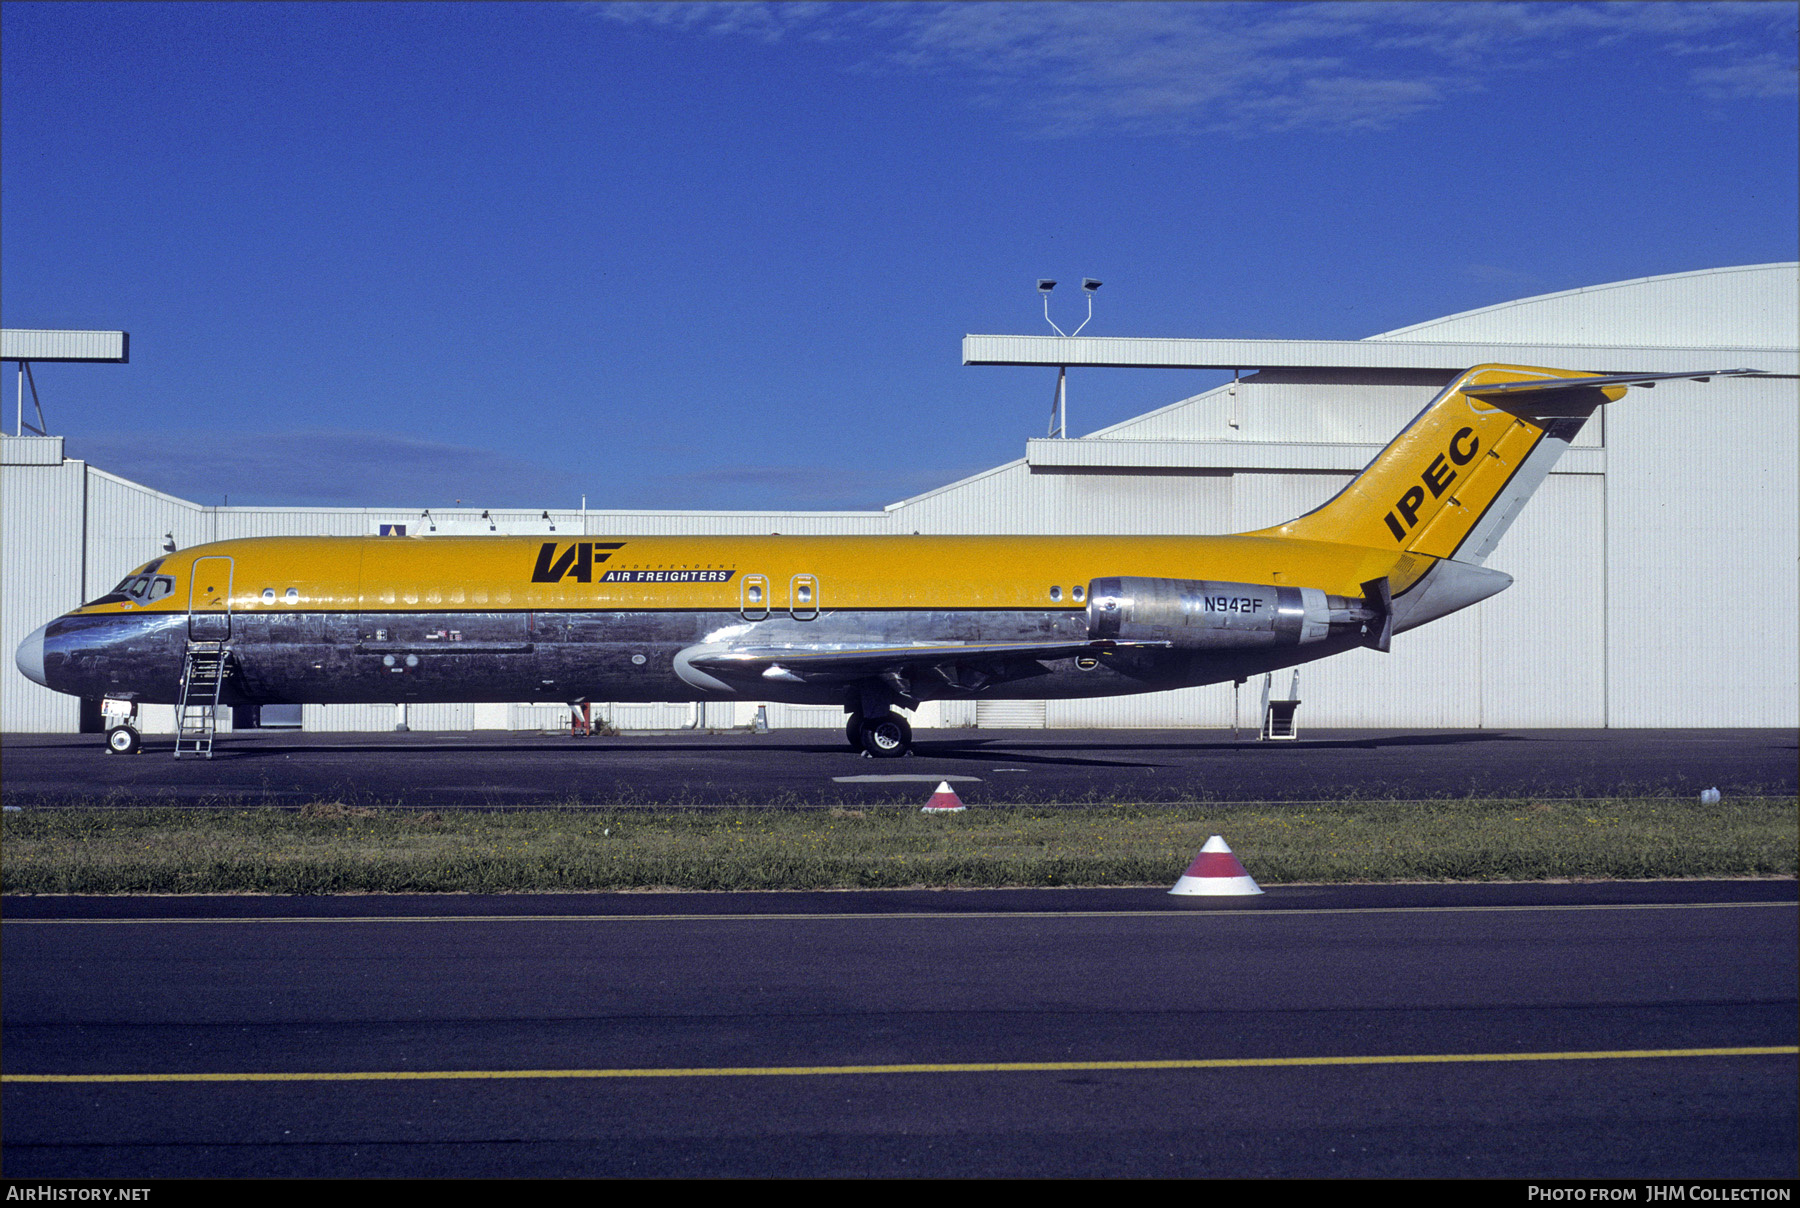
column 578, row 559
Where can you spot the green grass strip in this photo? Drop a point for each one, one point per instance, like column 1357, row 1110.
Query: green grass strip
column 331, row 848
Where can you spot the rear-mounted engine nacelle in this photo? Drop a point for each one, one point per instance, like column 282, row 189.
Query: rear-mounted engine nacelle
column 1201, row 614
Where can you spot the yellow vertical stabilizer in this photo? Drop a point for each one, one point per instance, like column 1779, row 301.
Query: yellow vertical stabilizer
column 1460, row 470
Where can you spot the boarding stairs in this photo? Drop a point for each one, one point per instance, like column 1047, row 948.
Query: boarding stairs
column 197, row 713
column 1277, row 713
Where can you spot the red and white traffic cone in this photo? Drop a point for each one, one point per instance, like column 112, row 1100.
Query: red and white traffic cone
column 1216, row 872
column 944, row 801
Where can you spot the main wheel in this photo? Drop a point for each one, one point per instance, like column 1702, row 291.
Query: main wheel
column 853, row 731
column 122, row 740
column 887, row 736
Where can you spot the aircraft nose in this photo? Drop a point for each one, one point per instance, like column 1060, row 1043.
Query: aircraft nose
column 30, row 656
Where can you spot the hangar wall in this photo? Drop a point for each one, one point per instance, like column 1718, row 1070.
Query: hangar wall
column 1656, row 577
column 43, row 505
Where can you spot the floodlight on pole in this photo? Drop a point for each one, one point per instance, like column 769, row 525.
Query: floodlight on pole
column 1045, row 285
column 1059, row 406
column 1088, row 286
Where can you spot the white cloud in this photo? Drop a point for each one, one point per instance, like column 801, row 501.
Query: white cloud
column 1766, row 76
column 835, row 488
column 1250, row 68
column 323, row 469
column 384, row 469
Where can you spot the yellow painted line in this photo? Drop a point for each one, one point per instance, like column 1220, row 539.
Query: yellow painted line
column 1172, row 912
column 986, row 1067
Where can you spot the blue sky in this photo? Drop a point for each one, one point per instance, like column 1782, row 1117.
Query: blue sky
column 722, row 256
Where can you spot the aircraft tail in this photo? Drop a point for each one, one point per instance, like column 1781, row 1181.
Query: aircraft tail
column 1452, row 482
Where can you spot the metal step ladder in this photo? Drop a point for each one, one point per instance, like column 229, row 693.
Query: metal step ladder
column 196, row 716
column 1278, row 714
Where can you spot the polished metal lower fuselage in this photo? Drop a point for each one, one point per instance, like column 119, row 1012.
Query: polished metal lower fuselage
column 298, row 657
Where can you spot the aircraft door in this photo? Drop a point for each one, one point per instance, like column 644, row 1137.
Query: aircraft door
column 803, row 597
column 753, row 597
column 209, row 600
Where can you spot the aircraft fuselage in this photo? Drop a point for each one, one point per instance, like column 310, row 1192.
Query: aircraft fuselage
column 871, row 623
column 386, row 619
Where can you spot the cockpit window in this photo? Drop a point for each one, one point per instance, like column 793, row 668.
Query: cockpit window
column 141, row 589
column 138, row 588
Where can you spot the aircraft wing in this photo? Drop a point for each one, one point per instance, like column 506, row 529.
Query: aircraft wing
column 967, row 663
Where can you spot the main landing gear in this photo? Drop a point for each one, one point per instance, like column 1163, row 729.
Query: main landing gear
column 885, row 737
column 123, row 740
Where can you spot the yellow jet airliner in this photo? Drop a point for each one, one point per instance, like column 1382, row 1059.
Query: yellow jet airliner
column 871, row 623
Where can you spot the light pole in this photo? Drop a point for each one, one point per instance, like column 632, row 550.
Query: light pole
column 1059, row 405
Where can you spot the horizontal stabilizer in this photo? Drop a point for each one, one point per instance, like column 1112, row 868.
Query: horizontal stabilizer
column 1543, row 386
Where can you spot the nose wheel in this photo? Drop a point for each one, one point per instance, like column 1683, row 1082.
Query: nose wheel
column 885, row 737
column 123, row 740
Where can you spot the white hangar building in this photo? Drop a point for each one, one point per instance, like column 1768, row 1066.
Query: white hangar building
column 1656, row 570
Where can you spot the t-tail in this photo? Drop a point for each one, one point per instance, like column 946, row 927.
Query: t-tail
column 1454, row 480
column 1444, row 491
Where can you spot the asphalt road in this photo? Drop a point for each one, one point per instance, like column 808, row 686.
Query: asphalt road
column 855, row 1034
column 815, row 766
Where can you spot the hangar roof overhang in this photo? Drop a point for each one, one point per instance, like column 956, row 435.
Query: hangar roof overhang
column 1150, row 353
column 26, row 344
